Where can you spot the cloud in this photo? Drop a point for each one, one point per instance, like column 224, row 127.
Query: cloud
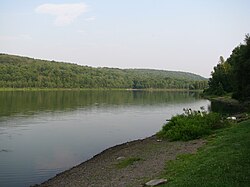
column 64, row 13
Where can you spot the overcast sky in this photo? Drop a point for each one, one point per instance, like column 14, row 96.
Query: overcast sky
column 183, row 35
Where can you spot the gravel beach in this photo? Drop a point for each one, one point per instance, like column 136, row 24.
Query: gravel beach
column 102, row 170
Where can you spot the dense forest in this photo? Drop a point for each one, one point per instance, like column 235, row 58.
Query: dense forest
column 233, row 74
column 24, row 72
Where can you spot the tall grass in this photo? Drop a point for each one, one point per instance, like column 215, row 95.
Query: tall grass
column 191, row 126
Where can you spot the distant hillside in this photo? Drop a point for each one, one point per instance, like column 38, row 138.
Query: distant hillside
column 170, row 74
column 24, row 72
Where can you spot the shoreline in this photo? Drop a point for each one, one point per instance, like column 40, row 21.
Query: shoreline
column 102, row 170
column 95, row 89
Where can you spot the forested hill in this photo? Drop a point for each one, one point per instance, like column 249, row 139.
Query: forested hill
column 24, row 72
column 170, row 74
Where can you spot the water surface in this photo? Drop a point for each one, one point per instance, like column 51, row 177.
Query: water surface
column 45, row 132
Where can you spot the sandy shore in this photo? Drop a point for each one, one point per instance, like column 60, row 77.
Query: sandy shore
column 102, row 170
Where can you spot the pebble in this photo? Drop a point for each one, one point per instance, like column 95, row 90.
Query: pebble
column 156, row 182
column 120, row 158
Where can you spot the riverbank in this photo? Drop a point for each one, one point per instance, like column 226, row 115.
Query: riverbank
column 222, row 161
column 130, row 164
column 96, row 89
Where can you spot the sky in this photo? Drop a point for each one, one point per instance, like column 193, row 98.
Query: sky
column 179, row 35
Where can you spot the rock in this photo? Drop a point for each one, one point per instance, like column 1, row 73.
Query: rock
column 231, row 118
column 120, row 158
column 156, row 182
column 159, row 140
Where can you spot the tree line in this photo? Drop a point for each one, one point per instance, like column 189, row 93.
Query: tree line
column 233, row 74
column 24, row 72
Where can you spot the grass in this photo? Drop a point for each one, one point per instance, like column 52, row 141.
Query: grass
column 191, row 126
column 126, row 162
column 224, row 161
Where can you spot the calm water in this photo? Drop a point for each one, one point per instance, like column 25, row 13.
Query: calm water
column 44, row 133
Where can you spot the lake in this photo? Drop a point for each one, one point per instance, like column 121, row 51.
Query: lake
column 43, row 133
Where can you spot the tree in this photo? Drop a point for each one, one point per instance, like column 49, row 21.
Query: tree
column 233, row 75
column 16, row 71
column 220, row 81
column 241, row 69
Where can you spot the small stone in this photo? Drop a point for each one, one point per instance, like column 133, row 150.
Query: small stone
column 159, row 140
column 156, row 182
column 120, row 158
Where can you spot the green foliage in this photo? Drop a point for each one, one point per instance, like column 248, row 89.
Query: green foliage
column 223, row 161
column 192, row 126
column 221, row 81
column 241, row 70
column 233, row 74
column 23, row 72
column 126, row 162
column 219, row 90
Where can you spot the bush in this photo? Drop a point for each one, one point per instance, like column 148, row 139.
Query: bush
column 191, row 126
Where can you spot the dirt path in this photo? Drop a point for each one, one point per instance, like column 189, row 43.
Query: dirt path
column 102, row 169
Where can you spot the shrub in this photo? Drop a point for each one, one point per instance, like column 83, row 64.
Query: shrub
column 191, row 126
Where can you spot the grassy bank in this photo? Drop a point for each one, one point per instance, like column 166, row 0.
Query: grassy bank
column 224, row 161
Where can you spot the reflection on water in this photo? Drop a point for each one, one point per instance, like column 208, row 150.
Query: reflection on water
column 43, row 133
column 226, row 108
column 25, row 102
